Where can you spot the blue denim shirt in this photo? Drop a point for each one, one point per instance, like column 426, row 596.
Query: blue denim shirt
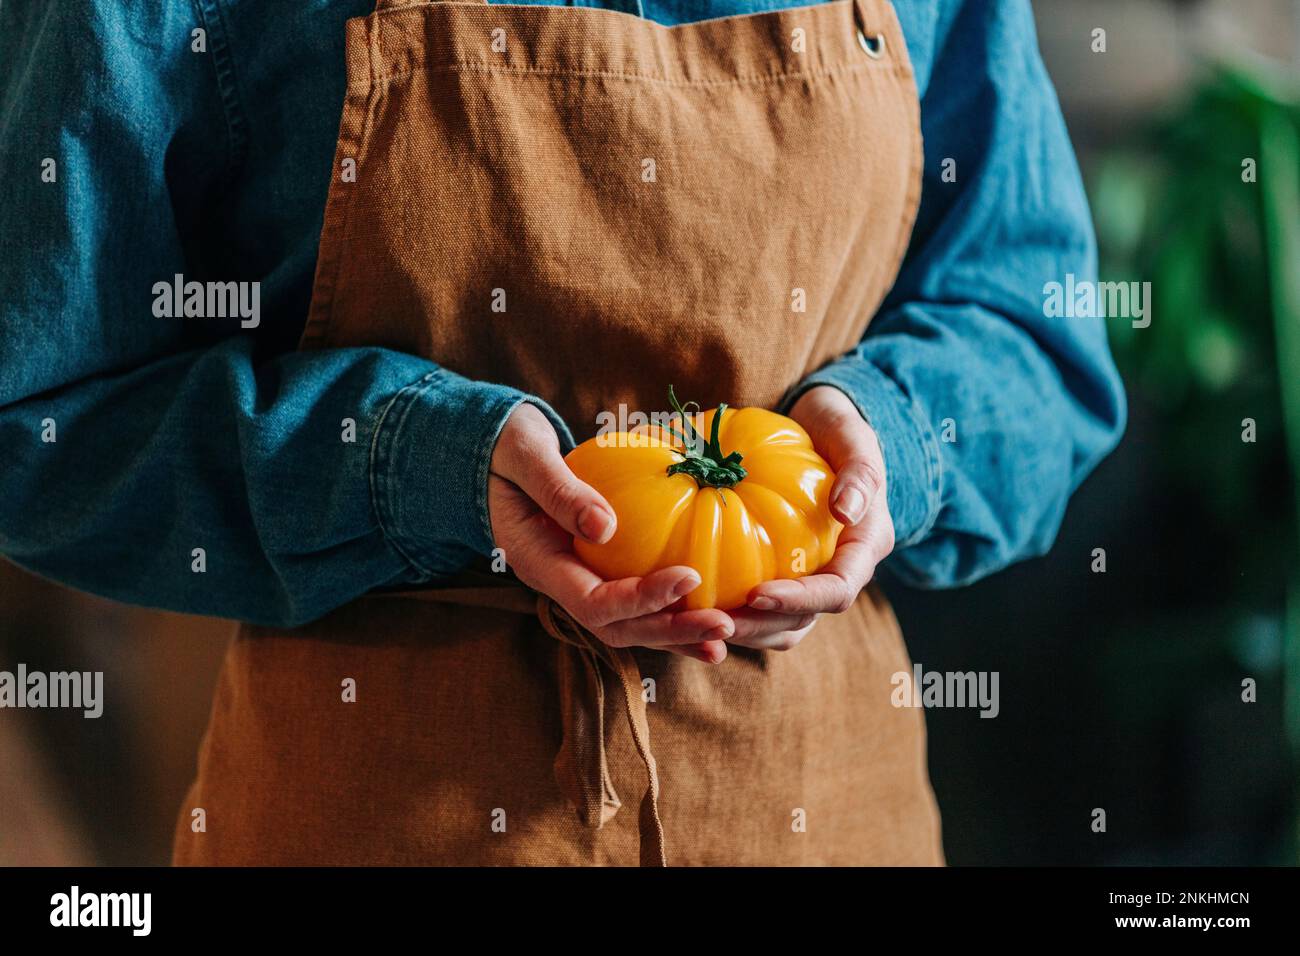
column 128, row 157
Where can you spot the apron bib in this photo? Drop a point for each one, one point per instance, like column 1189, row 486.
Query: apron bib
column 589, row 206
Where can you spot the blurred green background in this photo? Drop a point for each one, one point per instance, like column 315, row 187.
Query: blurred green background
column 1119, row 690
column 1123, row 690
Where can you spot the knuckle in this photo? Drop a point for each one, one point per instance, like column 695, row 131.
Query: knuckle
column 871, row 475
column 652, row 594
column 609, row 636
column 562, row 497
column 841, row 602
column 887, row 539
column 588, row 614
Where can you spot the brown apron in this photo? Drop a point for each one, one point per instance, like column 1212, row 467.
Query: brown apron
column 721, row 206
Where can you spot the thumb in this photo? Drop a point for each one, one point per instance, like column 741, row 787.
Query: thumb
column 532, row 461
column 857, row 484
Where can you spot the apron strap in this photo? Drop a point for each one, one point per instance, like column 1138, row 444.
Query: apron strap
column 581, row 765
column 581, row 759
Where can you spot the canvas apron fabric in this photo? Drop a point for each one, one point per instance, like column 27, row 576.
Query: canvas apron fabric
column 720, row 206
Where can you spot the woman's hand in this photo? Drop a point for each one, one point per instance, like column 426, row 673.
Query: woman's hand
column 780, row 613
column 536, row 505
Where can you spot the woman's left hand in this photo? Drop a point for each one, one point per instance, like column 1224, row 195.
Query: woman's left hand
column 781, row 612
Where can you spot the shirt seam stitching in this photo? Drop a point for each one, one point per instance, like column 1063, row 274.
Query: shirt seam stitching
column 223, row 62
column 228, row 82
column 381, row 460
column 470, row 66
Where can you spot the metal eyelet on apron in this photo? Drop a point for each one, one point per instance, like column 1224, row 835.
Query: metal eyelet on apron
column 873, row 46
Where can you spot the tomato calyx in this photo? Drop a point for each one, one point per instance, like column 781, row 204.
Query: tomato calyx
column 703, row 461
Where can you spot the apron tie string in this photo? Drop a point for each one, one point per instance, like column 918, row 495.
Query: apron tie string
column 581, row 768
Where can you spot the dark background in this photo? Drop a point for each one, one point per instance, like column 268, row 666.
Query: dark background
column 1119, row 690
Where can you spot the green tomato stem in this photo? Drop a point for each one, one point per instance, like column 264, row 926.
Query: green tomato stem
column 704, row 462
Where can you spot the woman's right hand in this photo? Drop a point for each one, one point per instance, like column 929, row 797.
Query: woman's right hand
column 536, row 505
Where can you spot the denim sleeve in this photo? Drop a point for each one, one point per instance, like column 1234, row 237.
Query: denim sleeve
column 147, row 461
column 989, row 413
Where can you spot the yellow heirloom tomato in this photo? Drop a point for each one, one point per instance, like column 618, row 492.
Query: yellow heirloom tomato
column 682, row 500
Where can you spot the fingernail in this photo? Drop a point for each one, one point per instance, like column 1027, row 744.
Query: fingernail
column 596, row 524
column 764, row 604
column 850, row 503
column 686, row 585
column 719, row 633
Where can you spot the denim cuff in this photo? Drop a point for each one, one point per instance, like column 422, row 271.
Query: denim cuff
column 429, row 465
column 908, row 443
